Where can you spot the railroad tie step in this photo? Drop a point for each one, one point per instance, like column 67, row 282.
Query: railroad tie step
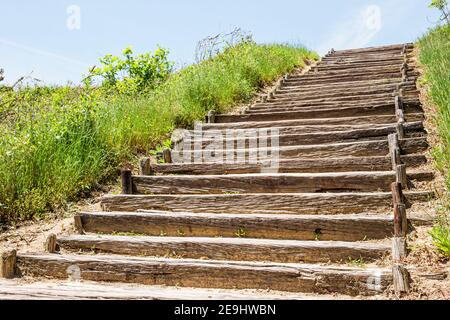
column 290, row 277
column 273, row 203
column 237, row 249
column 275, row 183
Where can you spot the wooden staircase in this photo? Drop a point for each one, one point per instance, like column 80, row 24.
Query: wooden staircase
column 346, row 131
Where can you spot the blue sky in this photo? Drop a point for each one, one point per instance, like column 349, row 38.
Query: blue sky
column 43, row 37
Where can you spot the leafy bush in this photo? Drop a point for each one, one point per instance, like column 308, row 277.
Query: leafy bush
column 441, row 5
column 134, row 73
column 61, row 142
column 440, row 235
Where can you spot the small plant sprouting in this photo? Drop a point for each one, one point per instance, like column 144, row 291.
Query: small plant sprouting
column 360, row 262
column 163, row 233
column 241, row 233
column 317, row 234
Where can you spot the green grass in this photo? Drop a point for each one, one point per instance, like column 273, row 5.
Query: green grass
column 435, row 57
column 60, row 143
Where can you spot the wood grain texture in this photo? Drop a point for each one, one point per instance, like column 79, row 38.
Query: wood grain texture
column 191, row 273
column 345, row 149
column 295, row 136
column 88, row 290
column 344, row 121
column 278, row 226
column 274, row 203
column 237, row 249
column 291, row 127
column 314, row 114
column 8, row 264
column 354, row 87
column 343, row 164
column 261, row 183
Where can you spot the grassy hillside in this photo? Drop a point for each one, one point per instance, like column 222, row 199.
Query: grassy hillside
column 435, row 58
column 60, row 142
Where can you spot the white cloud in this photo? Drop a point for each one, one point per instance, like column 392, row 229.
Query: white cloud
column 355, row 33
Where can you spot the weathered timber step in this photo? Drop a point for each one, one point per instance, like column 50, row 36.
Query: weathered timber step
column 367, row 94
column 339, row 98
column 355, row 149
column 369, row 57
column 282, row 93
column 348, row 88
column 361, row 60
column 272, row 203
column 348, row 78
column 301, row 129
column 276, row 183
column 378, row 49
column 344, row 74
column 243, row 140
column 344, row 84
column 282, row 227
column 386, row 109
column 408, row 99
column 367, row 61
column 293, row 106
column 363, row 69
column 238, row 249
column 89, row 290
column 340, row 121
column 291, row 166
column 372, row 55
column 209, row 274
column 351, row 66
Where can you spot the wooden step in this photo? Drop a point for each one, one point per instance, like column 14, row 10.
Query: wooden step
column 274, row 226
column 320, row 104
column 299, row 94
column 355, row 65
column 87, row 290
column 291, row 166
column 387, row 109
column 378, row 73
column 362, row 69
column 391, row 47
column 416, row 126
column 347, row 78
column 240, row 139
column 261, row 183
column 409, row 100
column 339, row 121
column 273, row 203
column 346, row 84
column 237, row 249
column 373, row 148
column 208, row 274
column 347, row 88
column 383, row 97
column 381, row 105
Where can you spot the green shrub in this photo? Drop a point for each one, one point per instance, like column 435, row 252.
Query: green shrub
column 133, row 73
column 440, row 235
